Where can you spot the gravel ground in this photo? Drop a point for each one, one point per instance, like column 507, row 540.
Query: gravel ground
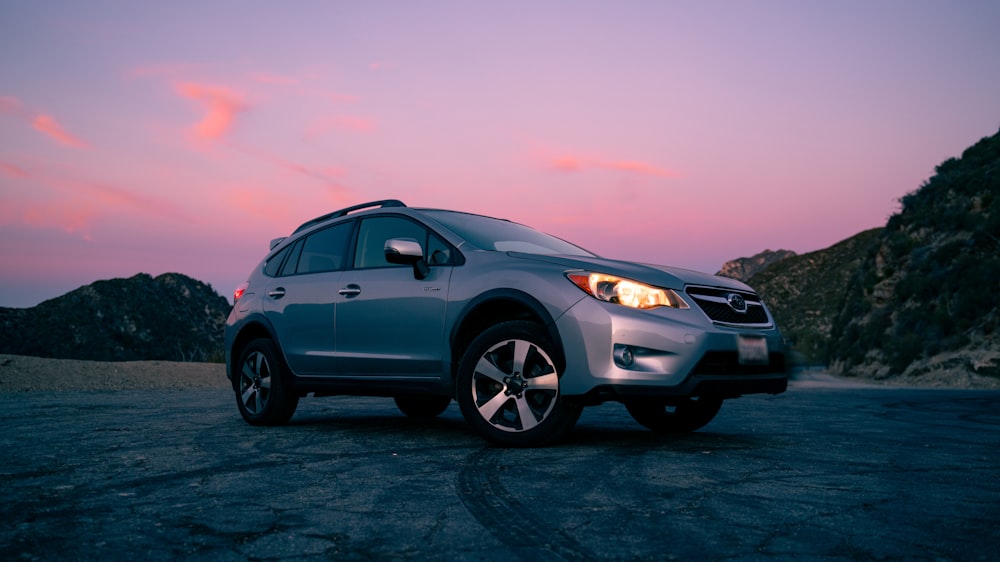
column 27, row 374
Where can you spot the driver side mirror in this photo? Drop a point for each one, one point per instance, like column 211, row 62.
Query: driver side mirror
column 407, row 251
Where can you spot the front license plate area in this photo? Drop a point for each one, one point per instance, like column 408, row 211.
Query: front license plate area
column 751, row 350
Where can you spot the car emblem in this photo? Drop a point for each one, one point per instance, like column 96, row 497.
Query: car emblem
column 737, row 302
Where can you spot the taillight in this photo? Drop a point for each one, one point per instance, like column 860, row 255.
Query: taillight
column 239, row 291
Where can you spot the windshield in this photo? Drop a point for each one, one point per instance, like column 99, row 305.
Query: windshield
column 504, row 236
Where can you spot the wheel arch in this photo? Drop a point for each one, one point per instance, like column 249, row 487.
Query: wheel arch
column 253, row 328
column 497, row 306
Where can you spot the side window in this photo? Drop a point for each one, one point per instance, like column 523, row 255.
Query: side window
column 376, row 230
column 325, row 250
column 272, row 265
column 438, row 252
column 293, row 259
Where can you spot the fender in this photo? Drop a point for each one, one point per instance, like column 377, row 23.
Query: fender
column 254, row 321
column 457, row 337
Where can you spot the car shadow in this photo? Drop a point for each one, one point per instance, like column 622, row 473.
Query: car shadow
column 614, row 432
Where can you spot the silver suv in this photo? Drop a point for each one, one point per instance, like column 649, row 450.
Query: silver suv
column 522, row 329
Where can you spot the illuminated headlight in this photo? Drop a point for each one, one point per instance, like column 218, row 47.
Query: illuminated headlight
column 618, row 290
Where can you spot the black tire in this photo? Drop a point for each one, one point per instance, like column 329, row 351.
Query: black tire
column 683, row 416
column 422, row 406
column 261, row 388
column 508, row 387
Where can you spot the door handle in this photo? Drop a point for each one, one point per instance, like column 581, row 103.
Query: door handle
column 276, row 293
column 351, row 290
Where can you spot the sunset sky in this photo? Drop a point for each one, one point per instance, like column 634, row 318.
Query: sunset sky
column 182, row 136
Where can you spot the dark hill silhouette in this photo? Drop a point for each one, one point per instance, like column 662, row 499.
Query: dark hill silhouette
column 170, row 317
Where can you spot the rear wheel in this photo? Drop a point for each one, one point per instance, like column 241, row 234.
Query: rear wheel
column 682, row 416
column 508, row 387
column 262, row 392
column 422, row 406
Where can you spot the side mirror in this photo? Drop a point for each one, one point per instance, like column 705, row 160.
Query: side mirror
column 407, row 251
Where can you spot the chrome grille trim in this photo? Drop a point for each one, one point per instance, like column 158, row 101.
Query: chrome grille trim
column 714, row 303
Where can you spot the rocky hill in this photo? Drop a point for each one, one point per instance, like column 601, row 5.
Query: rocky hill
column 914, row 301
column 806, row 293
column 745, row 268
column 924, row 300
column 170, row 317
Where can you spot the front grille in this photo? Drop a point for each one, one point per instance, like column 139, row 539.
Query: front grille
column 728, row 363
column 715, row 304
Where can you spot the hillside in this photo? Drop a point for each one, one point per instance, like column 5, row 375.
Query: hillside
column 924, row 300
column 743, row 269
column 913, row 302
column 171, row 317
column 806, row 292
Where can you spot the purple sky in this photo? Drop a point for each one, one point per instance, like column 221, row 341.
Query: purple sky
column 182, row 136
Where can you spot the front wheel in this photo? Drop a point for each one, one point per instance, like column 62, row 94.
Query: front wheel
column 682, row 416
column 508, row 387
column 262, row 393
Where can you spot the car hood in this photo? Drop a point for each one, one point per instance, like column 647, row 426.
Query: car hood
column 658, row 275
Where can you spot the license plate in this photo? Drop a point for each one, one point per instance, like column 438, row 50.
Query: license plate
column 751, row 350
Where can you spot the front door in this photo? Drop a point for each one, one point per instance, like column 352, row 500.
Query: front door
column 388, row 322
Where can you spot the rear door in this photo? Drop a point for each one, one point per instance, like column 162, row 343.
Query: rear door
column 301, row 301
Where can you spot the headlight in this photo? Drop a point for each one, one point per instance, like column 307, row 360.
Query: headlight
column 618, row 290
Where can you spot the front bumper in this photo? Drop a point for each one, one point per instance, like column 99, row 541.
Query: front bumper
column 614, row 352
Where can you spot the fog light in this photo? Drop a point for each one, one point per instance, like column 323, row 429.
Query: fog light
column 624, row 357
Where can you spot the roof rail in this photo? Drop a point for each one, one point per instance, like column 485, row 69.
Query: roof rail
column 342, row 212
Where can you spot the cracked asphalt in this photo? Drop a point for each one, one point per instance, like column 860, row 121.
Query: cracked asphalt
column 821, row 472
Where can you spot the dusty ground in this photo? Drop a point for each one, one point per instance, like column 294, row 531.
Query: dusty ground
column 24, row 374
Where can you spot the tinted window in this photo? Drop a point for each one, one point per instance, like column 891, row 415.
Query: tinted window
column 293, row 259
column 375, row 231
column 325, row 250
column 272, row 265
column 438, row 251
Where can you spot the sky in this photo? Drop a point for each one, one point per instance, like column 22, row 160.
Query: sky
column 182, row 136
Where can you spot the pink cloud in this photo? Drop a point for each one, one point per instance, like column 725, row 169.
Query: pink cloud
column 48, row 125
column 10, row 105
column 221, row 107
column 267, row 206
column 330, row 175
column 75, row 206
column 12, row 170
column 68, row 216
column 566, row 164
column 377, row 66
column 572, row 163
column 335, row 171
column 117, row 199
column 43, row 123
column 302, row 86
column 264, row 204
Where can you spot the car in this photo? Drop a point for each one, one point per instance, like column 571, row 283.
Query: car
column 522, row 329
